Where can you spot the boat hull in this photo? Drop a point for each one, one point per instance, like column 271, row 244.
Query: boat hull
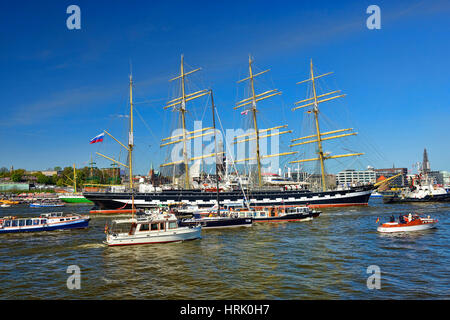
column 338, row 198
column 208, row 223
column 435, row 198
column 75, row 200
column 289, row 217
column 423, row 224
column 79, row 224
column 177, row 235
column 32, row 205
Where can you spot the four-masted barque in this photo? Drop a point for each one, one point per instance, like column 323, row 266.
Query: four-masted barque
column 257, row 196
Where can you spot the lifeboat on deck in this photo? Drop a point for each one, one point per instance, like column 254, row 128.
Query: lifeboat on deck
column 408, row 223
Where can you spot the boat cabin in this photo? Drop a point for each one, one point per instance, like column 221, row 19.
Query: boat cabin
column 154, row 223
column 22, row 222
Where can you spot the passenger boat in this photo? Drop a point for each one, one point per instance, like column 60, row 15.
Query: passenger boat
column 46, row 204
column 5, row 205
column 45, row 222
column 408, row 223
column 223, row 220
column 279, row 214
column 151, row 228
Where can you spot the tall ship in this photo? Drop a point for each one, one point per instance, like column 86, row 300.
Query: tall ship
column 259, row 194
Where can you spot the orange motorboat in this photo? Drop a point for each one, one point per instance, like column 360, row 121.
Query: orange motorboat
column 410, row 222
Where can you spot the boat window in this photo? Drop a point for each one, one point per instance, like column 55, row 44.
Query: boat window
column 21, row 223
column 262, row 214
column 43, row 221
column 29, row 222
column 14, row 223
column 121, row 227
column 161, row 226
column 154, row 226
column 7, row 223
column 61, row 219
column 172, row 225
column 144, row 227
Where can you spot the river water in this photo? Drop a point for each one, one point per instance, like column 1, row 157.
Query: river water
column 326, row 258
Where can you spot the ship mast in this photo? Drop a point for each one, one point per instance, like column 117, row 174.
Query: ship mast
column 215, row 149
column 129, row 148
column 130, row 145
column 179, row 104
column 74, row 179
column 252, row 100
column 318, row 137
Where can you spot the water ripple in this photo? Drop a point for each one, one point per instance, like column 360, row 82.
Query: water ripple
column 326, row 258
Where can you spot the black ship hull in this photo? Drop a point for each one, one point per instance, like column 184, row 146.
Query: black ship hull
column 399, row 199
column 207, row 223
column 336, row 198
column 288, row 217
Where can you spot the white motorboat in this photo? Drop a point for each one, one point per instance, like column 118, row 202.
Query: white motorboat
column 150, row 228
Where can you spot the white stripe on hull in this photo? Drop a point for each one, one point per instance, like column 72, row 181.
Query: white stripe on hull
column 180, row 234
column 406, row 228
column 265, row 201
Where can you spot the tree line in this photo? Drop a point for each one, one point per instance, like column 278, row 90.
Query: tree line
column 63, row 177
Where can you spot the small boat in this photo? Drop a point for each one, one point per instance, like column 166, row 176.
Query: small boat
column 223, row 220
column 5, row 205
column 279, row 214
column 155, row 227
column 45, row 222
column 376, row 194
column 46, row 204
column 5, row 201
column 408, row 223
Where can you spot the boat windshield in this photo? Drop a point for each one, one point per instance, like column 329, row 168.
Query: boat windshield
column 120, row 227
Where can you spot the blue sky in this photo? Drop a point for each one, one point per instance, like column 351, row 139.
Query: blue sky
column 60, row 87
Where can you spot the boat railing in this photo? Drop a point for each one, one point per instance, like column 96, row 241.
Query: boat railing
column 52, row 214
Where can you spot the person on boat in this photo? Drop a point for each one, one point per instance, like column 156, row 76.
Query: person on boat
column 409, row 217
column 401, row 219
column 392, row 218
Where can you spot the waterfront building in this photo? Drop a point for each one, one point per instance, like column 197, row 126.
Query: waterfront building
column 48, row 173
column 5, row 187
column 437, row 177
column 446, row 178
column 350, row 176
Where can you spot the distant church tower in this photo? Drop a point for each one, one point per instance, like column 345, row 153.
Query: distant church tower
column 425, row 163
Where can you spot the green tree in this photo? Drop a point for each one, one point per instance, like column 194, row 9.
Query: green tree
column 42, row 179
column 60, row 182
column 16, row 176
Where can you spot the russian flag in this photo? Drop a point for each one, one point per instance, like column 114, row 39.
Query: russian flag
column 98, row 138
